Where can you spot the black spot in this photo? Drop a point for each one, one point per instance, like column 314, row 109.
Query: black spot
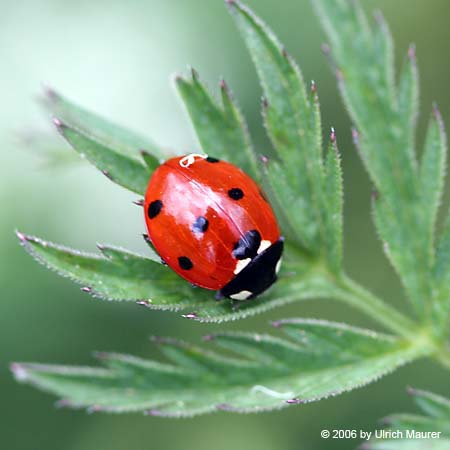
column 247, row 246
column 212, row 160
column 235, row 193
column 185, row 263
column 154, row 208
column 200, row 225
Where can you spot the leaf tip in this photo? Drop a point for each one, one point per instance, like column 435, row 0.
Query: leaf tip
column 143, row 152
column 412, row 52
column 379, row 18
column 332, row 135
column 163, row 340
column 326, row 49
column 208, row 337
column 49, row 92
column 411, row 391
column 145, row 303
column 355, row 136
column 57, row 122
column 294, row 401
column 19, row 371
column 178, row 78
column 191, row 315
column 223, row 85
column 63, row 403
column 194, row 74
column 107, row 174
column 93, row 408
column 224, row 407
column 436, row 112
column 102, row 356
column 152, row 412
column 385, row 421
column 23, row 238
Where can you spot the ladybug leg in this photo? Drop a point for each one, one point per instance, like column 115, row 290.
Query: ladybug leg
column 192, row 284
column 219, row 296
column 148, row 240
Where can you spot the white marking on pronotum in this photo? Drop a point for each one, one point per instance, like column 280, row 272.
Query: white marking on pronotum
column 243, row 295
column 241, row 264
column 263, row 246
column 271, row 392
column 188, row 160
column 277, row 267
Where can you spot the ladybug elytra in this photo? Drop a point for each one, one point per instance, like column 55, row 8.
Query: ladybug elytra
column 211, row 223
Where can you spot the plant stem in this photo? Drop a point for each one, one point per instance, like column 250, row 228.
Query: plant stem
column 357, row 296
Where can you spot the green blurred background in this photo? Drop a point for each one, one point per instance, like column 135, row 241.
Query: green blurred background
column 117, row 58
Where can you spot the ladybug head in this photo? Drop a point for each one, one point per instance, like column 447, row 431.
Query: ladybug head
column 257, row 276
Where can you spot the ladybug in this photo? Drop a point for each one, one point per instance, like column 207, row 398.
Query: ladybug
column 211, row 223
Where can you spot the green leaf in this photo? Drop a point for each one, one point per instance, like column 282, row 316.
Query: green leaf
column 431, row 404
column 333, row 204
column 121, row 275
column 420, row 424
column 221, row 129
column 362, row 57
column 408, row 99
column 292, row 119
column 308, row 201
column 436, row 418
column 261, row 373
column 99, row 129
column 432, row 174
column 150, row 161
column 383, row 51
column 121, row 169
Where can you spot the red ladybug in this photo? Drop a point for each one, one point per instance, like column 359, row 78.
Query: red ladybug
column 211, row 223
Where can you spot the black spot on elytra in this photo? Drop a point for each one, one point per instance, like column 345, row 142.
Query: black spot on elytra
column 185, row 263
column 247, row 246
column 200, row 225
column 210, row 159
column 154, row 208
column 235, row 193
